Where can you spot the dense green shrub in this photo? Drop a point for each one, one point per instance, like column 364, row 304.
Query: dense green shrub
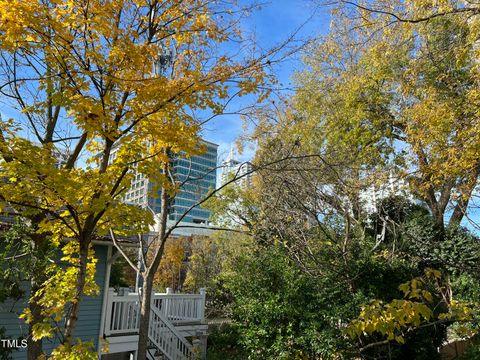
column 223, row 343
column 280, row 312
column 285, row 305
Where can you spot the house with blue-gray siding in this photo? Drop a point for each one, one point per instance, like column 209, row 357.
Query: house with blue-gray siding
column 90, row 316
column 110, row 320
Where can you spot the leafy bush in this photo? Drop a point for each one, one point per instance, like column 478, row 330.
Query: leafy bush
column 472, row 351
column 280, row 312
column 223, row 343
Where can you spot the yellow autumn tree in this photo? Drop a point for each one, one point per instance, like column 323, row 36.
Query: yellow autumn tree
column 394, row 89
column 169, row 274
column 402, row 96
column 425, row 304
column 94, row 88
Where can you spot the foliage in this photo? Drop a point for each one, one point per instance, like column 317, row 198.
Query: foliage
column 19, row 262
column 119, row 274
column 380, row 92
column 393, row 99
column 116, row 85
column 223, row 341
column 281, row 312
column 412, row 235
column 171, row 270
column 275, row 307
column 408, row 231
column 381, row 104
column 233, row 207
column 204, row 263
column 456, row 250
column 60, row 290
column 419, row 307
column 312, row 266
column 473, row 350
column 79, row 351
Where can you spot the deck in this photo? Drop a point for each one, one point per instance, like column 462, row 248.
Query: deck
column 177, row 324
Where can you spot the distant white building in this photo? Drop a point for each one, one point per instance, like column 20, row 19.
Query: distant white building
column 372, row 196
column 233, row 168
column 61, row 157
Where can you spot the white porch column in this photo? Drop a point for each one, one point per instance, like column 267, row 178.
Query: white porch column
column 203, row 292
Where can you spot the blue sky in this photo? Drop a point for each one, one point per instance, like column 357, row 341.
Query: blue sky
column 275, row 22
column 271, row 25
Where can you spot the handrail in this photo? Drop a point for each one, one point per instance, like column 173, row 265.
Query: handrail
column 123, row 314
column 166, row 295
column 164, row 336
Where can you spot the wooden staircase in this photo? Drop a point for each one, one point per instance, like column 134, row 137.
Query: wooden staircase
column 169, row 313
column 166, row 339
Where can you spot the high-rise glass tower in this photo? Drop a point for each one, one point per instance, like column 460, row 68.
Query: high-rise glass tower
column 197, row 175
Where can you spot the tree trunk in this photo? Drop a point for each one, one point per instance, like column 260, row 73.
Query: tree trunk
column 72, row 317
column 34, row 348
column 40, row 245
column 438, row 216
column 462, row 204
column 150, row 273
column 145, row 308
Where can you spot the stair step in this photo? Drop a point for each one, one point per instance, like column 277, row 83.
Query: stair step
column 167, row 342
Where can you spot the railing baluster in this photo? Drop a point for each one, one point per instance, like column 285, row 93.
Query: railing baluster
column 123, row 316
column 119, row 316
column 108, row 316
column 184, row 309
column 115, row 311
column 177, row 309
column 197, row 307
column 130, row 315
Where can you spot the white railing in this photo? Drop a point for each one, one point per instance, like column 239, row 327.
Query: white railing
column 167, row 339
column 123, row 314
column 181, row 308
column 123, row 311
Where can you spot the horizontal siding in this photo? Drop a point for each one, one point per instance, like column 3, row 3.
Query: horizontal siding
column 88, row 326
column 14, row 327
column 91, row 307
